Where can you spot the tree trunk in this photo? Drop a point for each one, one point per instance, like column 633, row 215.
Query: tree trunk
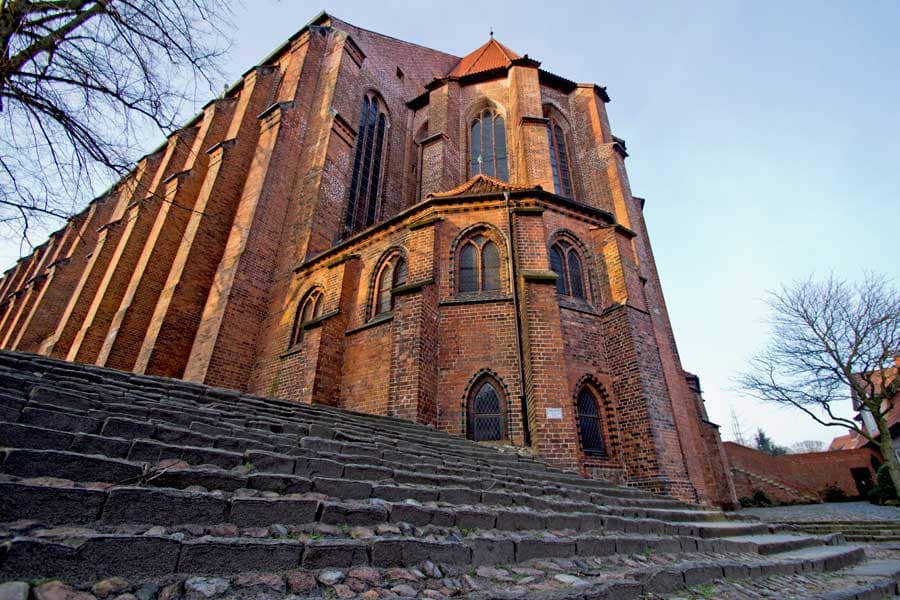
column 887, row 450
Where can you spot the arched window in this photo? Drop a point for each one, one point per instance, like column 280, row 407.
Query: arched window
column 487, row 145
column 589, row 431
column 479, row 266
column 487, row 414
column 392, row 275
column 559, row 159
column 362, row 202
column 308, row 310
column 564, row 261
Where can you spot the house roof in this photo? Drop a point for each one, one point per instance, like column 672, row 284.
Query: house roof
column 489, row 56
column 482, row 184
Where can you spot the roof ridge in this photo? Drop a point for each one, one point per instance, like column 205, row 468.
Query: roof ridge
column 478, row 184
column 487, row 57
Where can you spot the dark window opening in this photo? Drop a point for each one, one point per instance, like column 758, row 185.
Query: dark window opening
column 310, row 309
column 559, row 159
column 486, row 415
column 362, row 201
column 589, row 431
column 479, row 266
column 564, row 261
column 392, row 275
column 487, row 146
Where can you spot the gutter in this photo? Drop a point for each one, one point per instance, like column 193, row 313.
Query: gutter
column 514, row 281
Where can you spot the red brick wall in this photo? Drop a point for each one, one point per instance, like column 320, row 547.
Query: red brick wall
column 809, row 472
column 241, row 215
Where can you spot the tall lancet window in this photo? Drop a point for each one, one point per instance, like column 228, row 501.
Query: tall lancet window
column 559, row 159
column 362, row 203
column 487, row 146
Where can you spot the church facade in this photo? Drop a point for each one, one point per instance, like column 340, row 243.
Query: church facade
column 374, row 225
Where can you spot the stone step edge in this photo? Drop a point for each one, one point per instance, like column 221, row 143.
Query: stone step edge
column 118, row 501
column 290, row 406
column 151, row 556
column 353, row 488
column 284, row 405
column 878, row 586
column 511, row 476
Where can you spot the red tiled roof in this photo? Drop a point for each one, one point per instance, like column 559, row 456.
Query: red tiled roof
column 842, row 442
column 491, row 55
column 481, row 184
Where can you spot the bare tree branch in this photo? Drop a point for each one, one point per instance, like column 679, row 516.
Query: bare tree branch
column 84, row 82
column 832, row 343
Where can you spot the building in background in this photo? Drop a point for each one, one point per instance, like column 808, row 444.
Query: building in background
column 371, row 224
column 853, row 440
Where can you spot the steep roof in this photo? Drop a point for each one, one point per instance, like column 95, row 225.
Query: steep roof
column 489, row 56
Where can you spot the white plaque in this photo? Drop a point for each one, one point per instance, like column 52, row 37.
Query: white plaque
column 554, row 413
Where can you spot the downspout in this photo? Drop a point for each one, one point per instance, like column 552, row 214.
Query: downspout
column 514, row 281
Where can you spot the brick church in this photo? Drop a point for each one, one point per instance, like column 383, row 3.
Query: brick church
column 370, row 224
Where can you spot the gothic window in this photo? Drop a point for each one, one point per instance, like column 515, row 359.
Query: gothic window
column 564, row 261
column 487, row 145
column 479, row 266
column 308, row 310
column 589, row 432
column 392, row 275
column 362, row 202
column 487, row 414
column 559, row 159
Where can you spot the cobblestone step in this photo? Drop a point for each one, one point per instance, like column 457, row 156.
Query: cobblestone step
column 59, row 501
column 86, row 423
column 82, row 555
column 108, row 473
column 853, row 531
column 872, row 580
column 50, row 429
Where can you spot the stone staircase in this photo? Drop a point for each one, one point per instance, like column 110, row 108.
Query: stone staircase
column 123, row 483
column 855, row 531
column 783, row 491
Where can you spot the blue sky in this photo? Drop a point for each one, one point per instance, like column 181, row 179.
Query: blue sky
column 765, row 137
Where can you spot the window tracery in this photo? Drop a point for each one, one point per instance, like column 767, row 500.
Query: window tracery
column 308, row 310
column 362, row 201
column 566, row 263
column 479, row 266
column 487, row 145
column 487, row 414
column 392, row 275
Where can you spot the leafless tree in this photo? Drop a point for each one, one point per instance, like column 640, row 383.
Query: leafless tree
column 833, row 342
column 807, row 446
column 83, row 82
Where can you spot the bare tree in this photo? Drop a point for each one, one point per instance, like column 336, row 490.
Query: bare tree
column 82, row 82
column 833, row 342
column 807, row 446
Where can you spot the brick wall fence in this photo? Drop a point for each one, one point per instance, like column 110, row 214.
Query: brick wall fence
column 804, row 475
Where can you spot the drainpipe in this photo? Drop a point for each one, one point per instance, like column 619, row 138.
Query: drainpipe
column 514, row 281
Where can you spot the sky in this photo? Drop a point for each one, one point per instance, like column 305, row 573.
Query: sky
column 765, row 137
